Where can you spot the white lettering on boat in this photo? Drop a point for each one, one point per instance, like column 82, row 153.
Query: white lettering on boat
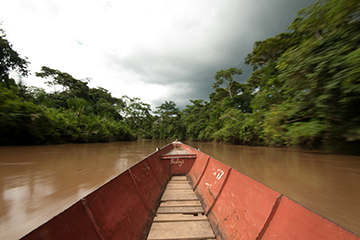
column 218, row 174
column 177, row 161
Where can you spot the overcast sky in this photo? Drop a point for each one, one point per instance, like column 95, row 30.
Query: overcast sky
column 156, row 50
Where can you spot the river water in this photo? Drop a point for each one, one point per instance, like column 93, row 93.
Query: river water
column 38, row 182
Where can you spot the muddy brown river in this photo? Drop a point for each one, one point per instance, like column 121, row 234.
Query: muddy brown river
column 38, row 182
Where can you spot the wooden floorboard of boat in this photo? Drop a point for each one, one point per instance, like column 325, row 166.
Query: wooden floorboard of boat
column 177, row 152
column 181, row 196
column 178, row 186
column 180, row 215
column 178, row 178
column 181, row 204
column 185, row 210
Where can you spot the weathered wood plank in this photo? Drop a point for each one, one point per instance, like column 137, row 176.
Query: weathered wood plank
column 178, row 152
column 179, row 218
column 181, row 204
column 178, row 186
column 178, row 191
column 195, row 210
column 171, row 194
column 181, row 230
column 180, row 215
column 178, row 197
column 178, row 182
column 178, row 178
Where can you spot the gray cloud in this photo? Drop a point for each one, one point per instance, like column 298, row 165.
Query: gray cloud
column 219, row 42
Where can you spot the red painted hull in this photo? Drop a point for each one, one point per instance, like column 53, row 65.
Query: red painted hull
column 238, row 206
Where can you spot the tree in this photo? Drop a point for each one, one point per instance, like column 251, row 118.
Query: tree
column 167, row 122
column 73, row 87
column 195, row 118
column 264, row 82
column 10, row 60
column 228, row 77
column 269, row 50
column 101, row 93
column 137, row 116
column 324, row 17
column 104, row 104
column 21, row 122
column 319, row 79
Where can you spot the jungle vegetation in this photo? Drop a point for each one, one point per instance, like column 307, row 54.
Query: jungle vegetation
column 304, row 92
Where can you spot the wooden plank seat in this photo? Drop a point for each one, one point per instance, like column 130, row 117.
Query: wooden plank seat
column 181, row 204
column 180, row 215
column 179, row 186
column 174, row 179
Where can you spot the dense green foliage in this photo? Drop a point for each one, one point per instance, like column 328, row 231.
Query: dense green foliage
column 77, row 114
column 304, row 92
column 25, row 122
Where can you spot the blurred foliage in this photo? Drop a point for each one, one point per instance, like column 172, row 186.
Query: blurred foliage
column 10, row 60
column 20, row 122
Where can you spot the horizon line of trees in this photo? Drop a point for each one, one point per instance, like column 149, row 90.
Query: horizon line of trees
column 304, row 92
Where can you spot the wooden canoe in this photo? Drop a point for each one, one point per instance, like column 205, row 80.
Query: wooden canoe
column 179, row 192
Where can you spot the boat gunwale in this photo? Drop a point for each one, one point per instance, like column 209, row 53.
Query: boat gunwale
column 280, row 196
column 96, row 189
